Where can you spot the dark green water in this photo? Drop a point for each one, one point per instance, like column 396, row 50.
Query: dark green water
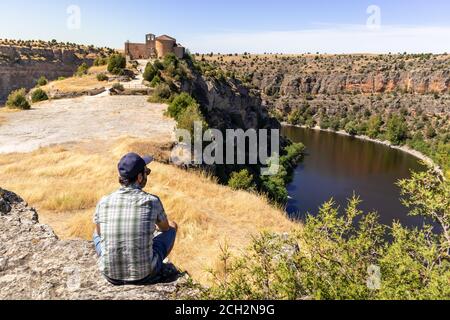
column 336, row 166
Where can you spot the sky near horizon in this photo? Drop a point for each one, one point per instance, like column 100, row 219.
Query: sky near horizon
column 257, row 26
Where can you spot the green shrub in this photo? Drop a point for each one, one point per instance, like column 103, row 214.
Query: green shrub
column 82, row 70
column 161, row 94
column 100, row 61
column 42, row 81
column 348, row 256
column 351, row 128
column 180, row 104
column 155, row 82
column 39, row 95
column 374, row 126
column 397, row 130
column 150, row 72
column 118, row 86
column 102, row 77
column 188, row 117
column 241, row 180
column 117, row 64
column 158, row 65
column 17, row 100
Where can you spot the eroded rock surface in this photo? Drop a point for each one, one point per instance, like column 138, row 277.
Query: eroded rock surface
column 35, row 264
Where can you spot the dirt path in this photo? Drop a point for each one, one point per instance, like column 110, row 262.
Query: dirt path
column 81, row 119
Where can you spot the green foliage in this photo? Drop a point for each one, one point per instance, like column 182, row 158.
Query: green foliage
column 42, row 81
column 180, row 104
column 275, row 185
column 241, row 180
column 156, row 81
column 161, row 94
column 102, row 77
column 150, row 72
column 100, row 61
column 117, row 64
column 351, row 128
column 17, row 100
column 118, row 86
column 187, row 118
column 336, row 256
column 38, row 95
column 374, row 126
column 82, row 70
column 158, row 65
column 397, row 130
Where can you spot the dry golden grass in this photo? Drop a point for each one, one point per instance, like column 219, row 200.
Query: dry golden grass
column 78, row 84
column 65, row 184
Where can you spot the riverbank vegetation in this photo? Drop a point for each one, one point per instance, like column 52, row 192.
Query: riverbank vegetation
column 347, row 256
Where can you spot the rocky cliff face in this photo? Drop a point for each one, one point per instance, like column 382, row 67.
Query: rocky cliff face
column 35, row 264
column 287, row 80
column 21, row 67
column 228, row 104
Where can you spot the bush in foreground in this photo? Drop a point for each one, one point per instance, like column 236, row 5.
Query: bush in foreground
column 347, row 256
column 18, row 100
column 39, row 95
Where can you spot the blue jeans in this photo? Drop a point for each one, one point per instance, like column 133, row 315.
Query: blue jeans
column 162, row 242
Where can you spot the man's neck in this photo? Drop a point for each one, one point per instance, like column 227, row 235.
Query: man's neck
column 133, row 186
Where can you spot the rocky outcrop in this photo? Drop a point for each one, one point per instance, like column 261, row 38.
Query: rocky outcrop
column 21, row 67
column 335, row 83
column 35, row 264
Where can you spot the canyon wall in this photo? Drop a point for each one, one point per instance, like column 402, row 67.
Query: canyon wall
column 21, row 67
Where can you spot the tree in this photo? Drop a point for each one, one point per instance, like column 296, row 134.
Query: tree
column 241, row 180
column 117, row 64
column 181, row 102
column 150, row 72
column 397, row 130
column 374, row 126
column 188, row 117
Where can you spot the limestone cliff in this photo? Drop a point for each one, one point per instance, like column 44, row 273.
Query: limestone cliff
column 35, row 264
column 21, row 67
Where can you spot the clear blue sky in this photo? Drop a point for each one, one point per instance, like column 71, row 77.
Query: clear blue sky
column 238, row 25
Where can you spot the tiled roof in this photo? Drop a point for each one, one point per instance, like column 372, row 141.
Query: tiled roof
column 166, row 38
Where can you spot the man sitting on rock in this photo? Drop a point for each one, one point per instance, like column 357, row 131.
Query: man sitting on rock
column 130, row 251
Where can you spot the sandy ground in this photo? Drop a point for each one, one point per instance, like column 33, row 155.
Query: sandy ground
column 80, row 119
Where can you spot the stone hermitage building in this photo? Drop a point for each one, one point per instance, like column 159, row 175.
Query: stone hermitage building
column 154, row 47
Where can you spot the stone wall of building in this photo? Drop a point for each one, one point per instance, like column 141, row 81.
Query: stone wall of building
column 137, row 50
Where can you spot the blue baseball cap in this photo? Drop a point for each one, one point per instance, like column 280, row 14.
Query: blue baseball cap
column 132, row 164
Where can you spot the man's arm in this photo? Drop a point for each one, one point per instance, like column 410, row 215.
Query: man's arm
column 163, row 226
column 97, row 227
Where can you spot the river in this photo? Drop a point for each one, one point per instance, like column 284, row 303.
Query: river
column 337, row 166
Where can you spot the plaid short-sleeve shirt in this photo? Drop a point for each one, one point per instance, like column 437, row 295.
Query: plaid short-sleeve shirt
column 127, row 220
